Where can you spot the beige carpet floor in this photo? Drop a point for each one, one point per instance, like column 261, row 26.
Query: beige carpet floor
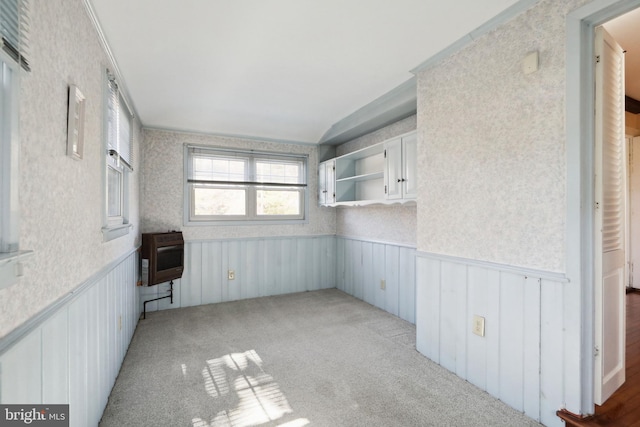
column 318, row 358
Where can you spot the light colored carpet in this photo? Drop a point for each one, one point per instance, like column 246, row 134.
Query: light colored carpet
column 318, row 358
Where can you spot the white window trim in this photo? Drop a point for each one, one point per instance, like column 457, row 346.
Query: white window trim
column 9, row 157
column 114, row 227
column 243, row 220
column 11, row 258
column 11, row 267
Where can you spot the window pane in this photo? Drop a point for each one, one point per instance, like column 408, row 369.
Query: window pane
column 278, row 202
column 112, row 121
column 219, row 169
column 9, row 203
column 219, row 201
column 279, row 171
column 114, row 192
column 125, row 148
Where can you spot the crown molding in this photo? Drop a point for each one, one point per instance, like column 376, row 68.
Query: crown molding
column 493, row 23
column 397, row 104
column 112, row 60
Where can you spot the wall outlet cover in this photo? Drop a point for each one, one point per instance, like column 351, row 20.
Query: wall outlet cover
column 478, row 325
column 531, row 63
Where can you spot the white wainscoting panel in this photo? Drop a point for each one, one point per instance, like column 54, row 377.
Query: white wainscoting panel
column 72, row 353
column 518, row 360
column 262, row 267
column 362, row 265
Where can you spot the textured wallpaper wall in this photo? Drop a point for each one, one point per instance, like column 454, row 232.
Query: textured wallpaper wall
column 491, row 145
column 61, row 199
column 163, row 188
column 391, row 224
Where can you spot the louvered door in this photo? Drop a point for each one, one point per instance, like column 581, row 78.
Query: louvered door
column 610, row 232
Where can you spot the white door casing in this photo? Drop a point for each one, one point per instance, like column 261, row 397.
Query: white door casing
column 634, row 212
column 610, row 218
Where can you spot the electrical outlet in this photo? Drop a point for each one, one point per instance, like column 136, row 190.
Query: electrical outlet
column 120, row 322
column 383, row 284
column 231, row 275
column 478, row 325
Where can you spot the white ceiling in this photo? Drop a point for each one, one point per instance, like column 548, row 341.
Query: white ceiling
column 626, row 30
column 274, row 69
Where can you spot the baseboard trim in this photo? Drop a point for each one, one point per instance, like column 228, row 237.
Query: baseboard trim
column 574, row 420
column 32, row 323
column 529, row 272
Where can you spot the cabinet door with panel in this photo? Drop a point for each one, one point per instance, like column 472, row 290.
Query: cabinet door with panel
column 393, row 168
column 410, row 166
column 326, row 182
column 322, row 183
column 400, row 167
column 331, row 181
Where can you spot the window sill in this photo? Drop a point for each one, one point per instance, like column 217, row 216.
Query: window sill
column 111, row 233
column 11, row 267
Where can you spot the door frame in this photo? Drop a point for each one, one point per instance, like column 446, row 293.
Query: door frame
column 633, row 255
column 578, row 347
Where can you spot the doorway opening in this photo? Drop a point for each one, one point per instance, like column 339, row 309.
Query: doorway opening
column 580, row 358
column 617, row 201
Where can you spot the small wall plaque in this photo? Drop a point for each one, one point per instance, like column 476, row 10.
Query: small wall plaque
column 75, row 123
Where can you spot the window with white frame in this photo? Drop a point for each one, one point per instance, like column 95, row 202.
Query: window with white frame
column 232, row 185
column 13, row 29
column 118, row 160
column 13, row 25
column 8, row 161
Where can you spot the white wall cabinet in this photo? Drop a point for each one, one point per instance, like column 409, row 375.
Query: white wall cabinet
column 400, row 167
column 363, row 177
column 327, row 182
